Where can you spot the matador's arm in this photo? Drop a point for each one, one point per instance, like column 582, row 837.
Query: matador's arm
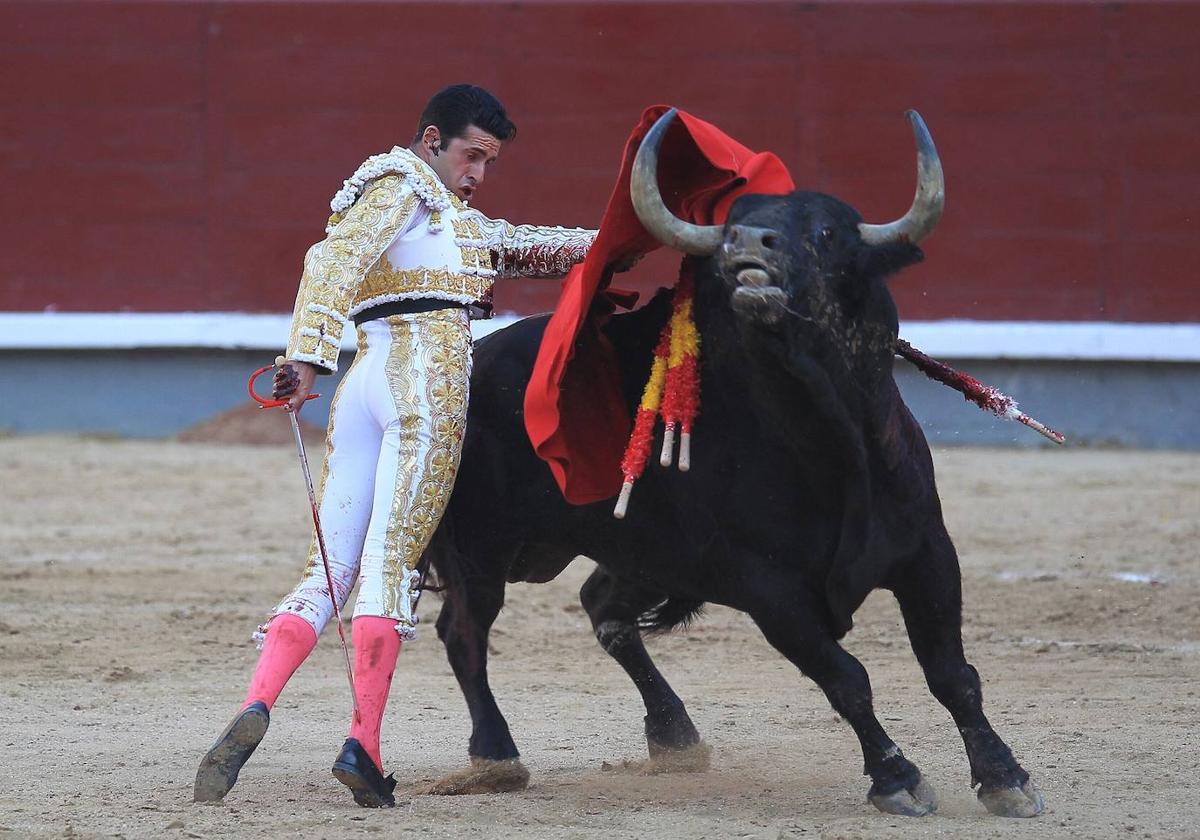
column 533, row 250
column 334, row 268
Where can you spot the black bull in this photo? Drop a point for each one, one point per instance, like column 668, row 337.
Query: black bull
column 812, row 485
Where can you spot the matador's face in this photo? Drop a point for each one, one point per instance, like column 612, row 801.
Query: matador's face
column 463, row 164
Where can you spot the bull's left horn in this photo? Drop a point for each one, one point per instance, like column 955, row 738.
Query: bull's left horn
column 655, row 216
column 926, row 210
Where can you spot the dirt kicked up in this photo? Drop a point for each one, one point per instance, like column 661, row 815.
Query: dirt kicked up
column 134, row 573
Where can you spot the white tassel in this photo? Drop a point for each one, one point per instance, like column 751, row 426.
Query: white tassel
column 668, row 449
column 685, row 452
column 623, row 500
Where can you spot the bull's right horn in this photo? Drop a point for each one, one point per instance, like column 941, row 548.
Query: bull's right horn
column 930, row 199
column 656, row 218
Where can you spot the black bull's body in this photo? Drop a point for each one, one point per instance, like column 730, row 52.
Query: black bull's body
column 811, row 485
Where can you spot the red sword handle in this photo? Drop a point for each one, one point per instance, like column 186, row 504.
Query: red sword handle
column 263, row 402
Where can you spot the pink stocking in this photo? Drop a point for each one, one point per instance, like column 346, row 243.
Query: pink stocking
column 376, row 648
column 290, row 639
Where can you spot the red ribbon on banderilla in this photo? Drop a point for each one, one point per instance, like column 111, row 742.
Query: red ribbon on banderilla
column 672, row 391
column 316, row 516
column 985, row 396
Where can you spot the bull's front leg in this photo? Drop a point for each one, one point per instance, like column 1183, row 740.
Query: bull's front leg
column 929, row 591
column 789, row 621
column 614, row 606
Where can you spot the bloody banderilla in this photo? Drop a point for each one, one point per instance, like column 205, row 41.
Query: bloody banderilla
column 312, row 501
column 985, row 396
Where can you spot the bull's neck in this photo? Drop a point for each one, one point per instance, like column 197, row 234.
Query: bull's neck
column 802, row 391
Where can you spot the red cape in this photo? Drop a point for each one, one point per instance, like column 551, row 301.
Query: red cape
column 575, row 413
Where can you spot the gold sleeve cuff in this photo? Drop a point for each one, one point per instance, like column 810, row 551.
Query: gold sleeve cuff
column 534, row 250
column 334, row 269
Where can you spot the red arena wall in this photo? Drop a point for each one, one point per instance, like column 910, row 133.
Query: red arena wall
column 180, row 156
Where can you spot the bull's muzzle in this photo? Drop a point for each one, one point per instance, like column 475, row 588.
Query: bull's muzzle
column 751, row 255
column 751, row 258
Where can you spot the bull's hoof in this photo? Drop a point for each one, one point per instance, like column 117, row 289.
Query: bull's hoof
column 918, row 801
column 483, row 776
column 1023, row 801
column 696, row 758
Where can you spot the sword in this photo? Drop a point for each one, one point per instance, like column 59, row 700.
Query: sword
column 312, row 501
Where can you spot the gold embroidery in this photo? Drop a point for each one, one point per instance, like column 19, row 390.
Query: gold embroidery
column 469, row 236
column 385, row 281
column 334, row 268
column 531, row 250
column 442, row 348
column 401, row 378
column 446, row 346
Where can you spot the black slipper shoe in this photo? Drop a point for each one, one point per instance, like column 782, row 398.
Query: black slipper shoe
column 219, row 768
column 355, row 769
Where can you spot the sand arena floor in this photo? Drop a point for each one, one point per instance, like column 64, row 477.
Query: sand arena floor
column 134, row 572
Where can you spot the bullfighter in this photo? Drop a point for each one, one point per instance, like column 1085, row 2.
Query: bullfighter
column 410, row 263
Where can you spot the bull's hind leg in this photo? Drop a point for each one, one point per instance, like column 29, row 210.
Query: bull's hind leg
column 614, row 606
column 472, row 603
column 930, row 595
column 792, row 627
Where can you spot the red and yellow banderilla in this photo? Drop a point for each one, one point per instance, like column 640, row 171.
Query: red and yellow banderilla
column 672, row 391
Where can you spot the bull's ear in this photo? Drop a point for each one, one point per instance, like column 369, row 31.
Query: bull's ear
column 888, row 258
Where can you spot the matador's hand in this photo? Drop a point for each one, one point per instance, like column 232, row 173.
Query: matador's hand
column 293, row 381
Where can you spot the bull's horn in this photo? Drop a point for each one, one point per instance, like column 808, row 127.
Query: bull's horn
column 922, row 217
column 656, row 218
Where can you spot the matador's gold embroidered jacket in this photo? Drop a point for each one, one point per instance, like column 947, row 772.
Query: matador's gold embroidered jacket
column 406, row 237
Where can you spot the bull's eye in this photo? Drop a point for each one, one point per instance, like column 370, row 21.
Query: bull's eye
column 826, row 233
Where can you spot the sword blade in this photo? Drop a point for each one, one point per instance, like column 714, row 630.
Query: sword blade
column 312, row 501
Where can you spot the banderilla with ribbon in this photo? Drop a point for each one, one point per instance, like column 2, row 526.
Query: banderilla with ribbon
column 985, row 396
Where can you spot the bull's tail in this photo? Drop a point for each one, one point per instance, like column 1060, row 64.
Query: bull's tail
column 669, row 614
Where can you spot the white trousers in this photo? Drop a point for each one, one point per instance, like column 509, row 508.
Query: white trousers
column 392, row 451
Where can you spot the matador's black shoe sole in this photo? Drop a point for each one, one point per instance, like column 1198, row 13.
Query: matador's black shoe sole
column 355, row 769
column 219, row 768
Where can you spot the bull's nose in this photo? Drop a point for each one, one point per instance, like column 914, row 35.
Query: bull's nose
column 747, row 238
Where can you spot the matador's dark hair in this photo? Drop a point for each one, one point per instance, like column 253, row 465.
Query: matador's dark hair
column 454, row 108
